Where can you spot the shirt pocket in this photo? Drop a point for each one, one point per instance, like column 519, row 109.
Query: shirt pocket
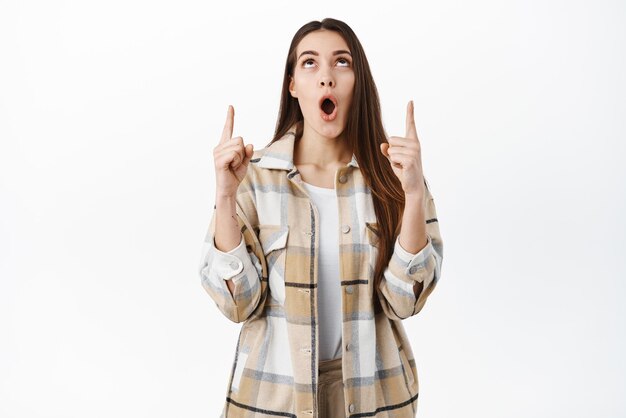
column 273, row 239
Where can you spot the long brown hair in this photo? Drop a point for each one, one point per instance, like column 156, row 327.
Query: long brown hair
column 364, row 132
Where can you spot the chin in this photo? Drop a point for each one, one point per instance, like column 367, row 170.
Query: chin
column 330, row 131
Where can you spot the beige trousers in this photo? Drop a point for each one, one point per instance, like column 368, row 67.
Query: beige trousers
column 331, row 401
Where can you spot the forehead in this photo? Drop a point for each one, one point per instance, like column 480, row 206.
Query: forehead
column 322, row 41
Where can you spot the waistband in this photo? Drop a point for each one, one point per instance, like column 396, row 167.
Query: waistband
column 328, row 365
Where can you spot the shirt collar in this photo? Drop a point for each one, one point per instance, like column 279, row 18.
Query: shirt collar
column 279, row 154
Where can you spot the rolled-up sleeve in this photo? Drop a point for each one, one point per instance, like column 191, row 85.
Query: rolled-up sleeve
column 242, row 265
column 396, row 291
column 229, row 265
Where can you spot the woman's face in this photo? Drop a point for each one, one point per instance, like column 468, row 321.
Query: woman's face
column 323, row 67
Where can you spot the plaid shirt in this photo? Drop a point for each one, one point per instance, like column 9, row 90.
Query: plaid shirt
column 274, row 269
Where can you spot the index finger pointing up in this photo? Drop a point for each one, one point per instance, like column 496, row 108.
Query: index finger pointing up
column 411, row 130
column 227, row 133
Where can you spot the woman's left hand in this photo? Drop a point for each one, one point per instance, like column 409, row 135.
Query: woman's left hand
column 405, row 156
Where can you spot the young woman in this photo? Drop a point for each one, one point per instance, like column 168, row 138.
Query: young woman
column 321, row 243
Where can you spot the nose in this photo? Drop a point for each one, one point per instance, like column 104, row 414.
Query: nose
column 326, row 81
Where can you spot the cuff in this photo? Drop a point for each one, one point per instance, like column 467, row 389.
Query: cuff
column 231, row 263
column 417, row 261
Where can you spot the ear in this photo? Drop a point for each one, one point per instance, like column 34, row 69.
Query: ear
column 291, row 89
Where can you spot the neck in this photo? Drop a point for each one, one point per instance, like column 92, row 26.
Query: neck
column 315, row 149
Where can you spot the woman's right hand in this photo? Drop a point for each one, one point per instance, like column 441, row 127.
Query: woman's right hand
column 231, row 159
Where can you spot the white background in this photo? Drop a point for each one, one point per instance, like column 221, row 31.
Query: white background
column 109, row 112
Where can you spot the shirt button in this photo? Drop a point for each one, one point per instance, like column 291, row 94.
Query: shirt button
column 349, row 288
column 345, row 229
column 343, row 178
column 348, row 347
column 234, row 265
column 351, row 407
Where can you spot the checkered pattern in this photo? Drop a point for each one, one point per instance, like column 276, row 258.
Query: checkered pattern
column 274, row 270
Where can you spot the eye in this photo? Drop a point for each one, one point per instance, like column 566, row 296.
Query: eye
column 347, row 62
column 344, row 60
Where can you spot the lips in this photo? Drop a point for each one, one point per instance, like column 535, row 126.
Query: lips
column 328, row 107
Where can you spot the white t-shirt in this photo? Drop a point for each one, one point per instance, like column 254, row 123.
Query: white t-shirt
column 328, row 286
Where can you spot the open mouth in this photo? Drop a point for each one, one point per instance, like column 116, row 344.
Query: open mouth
column 328, row 106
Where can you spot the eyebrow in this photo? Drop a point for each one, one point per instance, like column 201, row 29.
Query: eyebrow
column 338, row 52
